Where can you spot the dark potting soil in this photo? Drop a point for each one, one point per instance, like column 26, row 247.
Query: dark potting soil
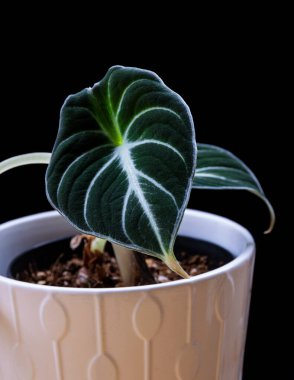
column 57, row 264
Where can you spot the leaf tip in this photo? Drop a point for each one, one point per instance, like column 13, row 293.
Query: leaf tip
column 171, row 261
column 272, row 217
column 270, row 209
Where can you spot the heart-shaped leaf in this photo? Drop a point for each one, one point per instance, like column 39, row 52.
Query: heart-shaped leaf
column 219, row 169
column 123, row 162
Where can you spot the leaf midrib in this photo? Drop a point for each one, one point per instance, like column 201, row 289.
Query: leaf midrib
column 128, row 167
column 119, row 138
column 123, row 153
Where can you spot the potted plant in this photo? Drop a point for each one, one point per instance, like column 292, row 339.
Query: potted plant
column 122, row 168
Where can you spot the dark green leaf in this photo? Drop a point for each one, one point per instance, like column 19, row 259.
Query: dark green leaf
column 220, row 170
column 123, row 162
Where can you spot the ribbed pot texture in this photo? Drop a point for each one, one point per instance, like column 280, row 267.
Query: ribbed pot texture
column 186, row 330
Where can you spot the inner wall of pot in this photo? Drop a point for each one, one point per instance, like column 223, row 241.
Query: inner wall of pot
column 217, row 230
column 23, row 234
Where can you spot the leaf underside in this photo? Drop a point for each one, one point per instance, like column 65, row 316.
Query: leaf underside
column 123, row 161
column 218, row 169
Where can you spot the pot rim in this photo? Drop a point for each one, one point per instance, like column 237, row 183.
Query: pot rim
column 244, row 256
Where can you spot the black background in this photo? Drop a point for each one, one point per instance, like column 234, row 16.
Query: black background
column 231, row 80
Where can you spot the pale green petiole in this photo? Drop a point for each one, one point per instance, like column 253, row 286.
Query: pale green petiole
column 175, row 266
column 98, row 245
column 24, row 159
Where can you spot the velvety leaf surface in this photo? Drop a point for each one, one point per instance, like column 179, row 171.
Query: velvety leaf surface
column 219, row 169
column 124, row 159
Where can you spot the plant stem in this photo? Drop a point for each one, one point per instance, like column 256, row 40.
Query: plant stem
column 132, row 267
column 24, row 159
column 127, row 264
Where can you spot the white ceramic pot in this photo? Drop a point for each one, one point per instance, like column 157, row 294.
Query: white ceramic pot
column 185, row 330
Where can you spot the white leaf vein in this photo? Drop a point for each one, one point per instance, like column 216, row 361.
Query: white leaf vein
column 209, row 175
column 124, row 211
column 84, row 133
column 128, row 166
column 81, row 157
column 123, row 95
column 140, row 114
column 158, row 142
column 92, row 183
column 158, row 185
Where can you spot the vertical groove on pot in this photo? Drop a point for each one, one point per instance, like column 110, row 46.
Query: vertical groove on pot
column 147, row 318
column 223, row 305
column 247, row 274
column 54, row 321
column 20, row 357
column 102, row 365
column 188, row 359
